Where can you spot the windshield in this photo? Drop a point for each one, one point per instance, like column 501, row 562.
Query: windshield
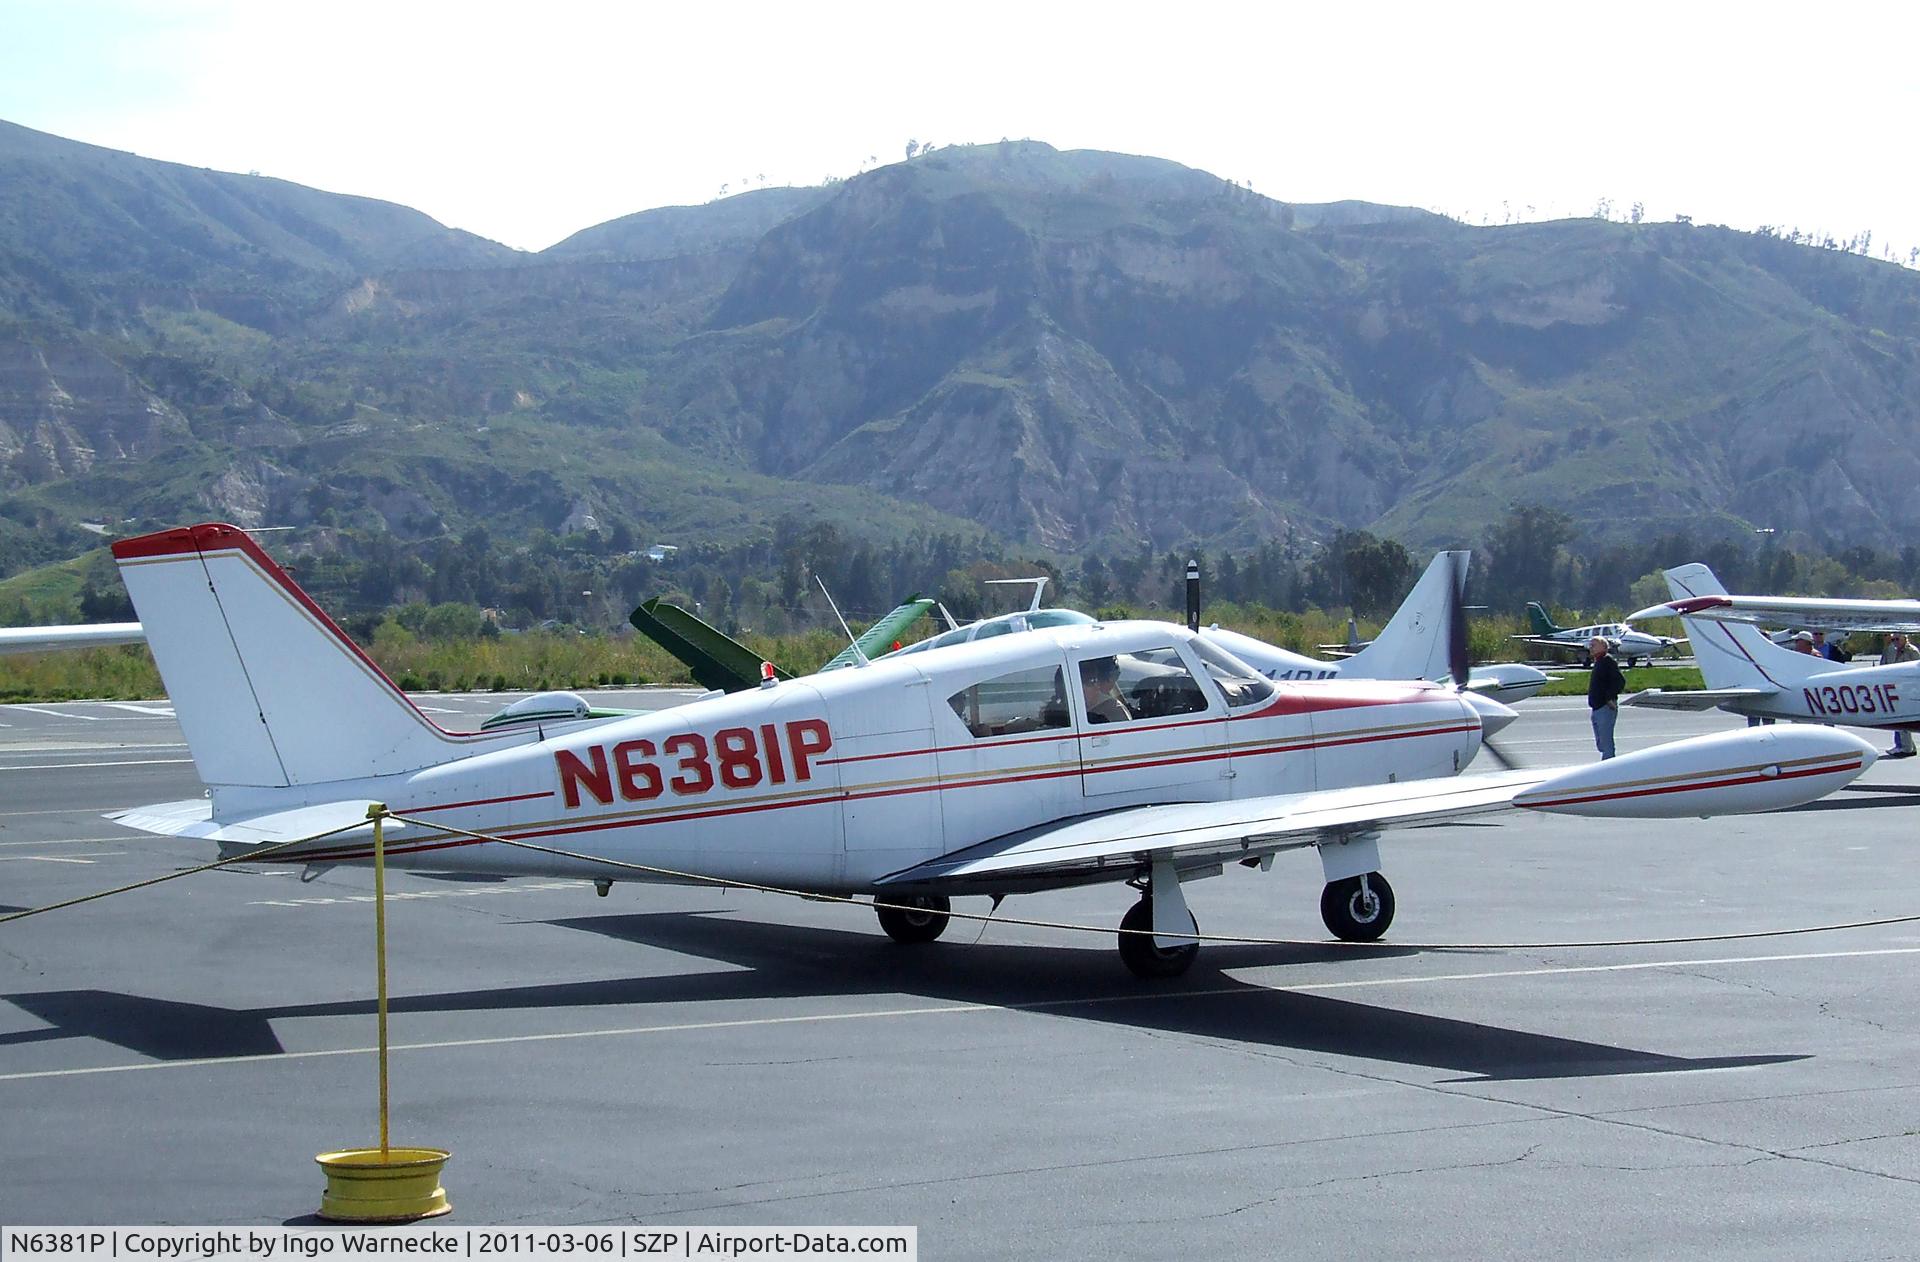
column 1242, row 684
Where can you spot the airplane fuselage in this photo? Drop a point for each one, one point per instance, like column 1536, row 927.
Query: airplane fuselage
column 1861, row 696
column 832, row 782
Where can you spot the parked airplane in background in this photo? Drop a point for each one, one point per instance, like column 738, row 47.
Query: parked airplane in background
column 1747, row 673
column 1135, row 752
column 83, row 636
column 1629, row 646
column 1413, row 644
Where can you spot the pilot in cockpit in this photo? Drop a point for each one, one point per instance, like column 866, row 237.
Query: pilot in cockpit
column 1099, row 686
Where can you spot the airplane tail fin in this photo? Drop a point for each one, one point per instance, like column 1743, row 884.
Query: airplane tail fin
column 1737, row 654
column 1413, row 644
column 1537, row 615
column 268, row 691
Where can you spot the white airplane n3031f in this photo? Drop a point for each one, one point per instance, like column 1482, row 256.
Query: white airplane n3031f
column 1747, row 673
column 1129, row 752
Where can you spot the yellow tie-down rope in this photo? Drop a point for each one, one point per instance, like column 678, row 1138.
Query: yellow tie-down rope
column 1193, row 936
column 249, row 857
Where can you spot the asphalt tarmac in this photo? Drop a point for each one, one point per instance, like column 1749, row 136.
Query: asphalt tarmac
column 681, row 1056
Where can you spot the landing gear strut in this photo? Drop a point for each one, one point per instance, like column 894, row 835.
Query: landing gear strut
column 1358, row 909
column 920, row 918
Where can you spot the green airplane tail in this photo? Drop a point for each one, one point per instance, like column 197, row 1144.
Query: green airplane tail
column 1542, row 625
column 717, row 660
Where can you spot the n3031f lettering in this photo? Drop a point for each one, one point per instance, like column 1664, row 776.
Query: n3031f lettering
column 690, row 763
column 1853, row 698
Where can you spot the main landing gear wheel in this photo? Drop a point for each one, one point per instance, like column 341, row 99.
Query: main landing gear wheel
column 919, row 918
column 1145, row 958
column 1584, row 658
column 1358, row 909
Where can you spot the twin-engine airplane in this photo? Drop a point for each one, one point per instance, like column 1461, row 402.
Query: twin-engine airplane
column 1132, row 752
column 1747, row 673
column 1629, row 646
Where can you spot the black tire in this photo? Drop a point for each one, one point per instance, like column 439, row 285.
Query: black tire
column 1142, row 956
column 1351, row 919
column 914, row 918
column 1584, row 658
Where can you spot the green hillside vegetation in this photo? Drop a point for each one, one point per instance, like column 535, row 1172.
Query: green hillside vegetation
column 1088, row 359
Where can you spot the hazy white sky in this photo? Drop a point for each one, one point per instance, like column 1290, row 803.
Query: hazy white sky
column 526, row 122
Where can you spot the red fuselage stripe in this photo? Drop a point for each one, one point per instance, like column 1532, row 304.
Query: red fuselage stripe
column 1704, row 784
column 854, row 795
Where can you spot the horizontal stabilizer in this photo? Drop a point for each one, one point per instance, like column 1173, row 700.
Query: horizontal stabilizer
column 1696, row 699
column 193, row 818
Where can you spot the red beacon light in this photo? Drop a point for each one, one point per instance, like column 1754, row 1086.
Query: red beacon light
column 767, row 678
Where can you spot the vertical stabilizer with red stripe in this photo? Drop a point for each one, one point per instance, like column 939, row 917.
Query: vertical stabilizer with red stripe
column 269, row 692
column 1736, row 654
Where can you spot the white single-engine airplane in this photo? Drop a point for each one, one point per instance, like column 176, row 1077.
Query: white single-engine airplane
column 1413, row 644
column 1747, row 673
column 1132, row 752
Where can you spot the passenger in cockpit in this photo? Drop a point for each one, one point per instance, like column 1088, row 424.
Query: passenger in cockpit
column 1099, row 686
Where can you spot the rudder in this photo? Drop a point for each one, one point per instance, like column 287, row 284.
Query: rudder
column 268, row 690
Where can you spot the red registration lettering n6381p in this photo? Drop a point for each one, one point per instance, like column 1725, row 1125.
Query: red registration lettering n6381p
column 688, row 764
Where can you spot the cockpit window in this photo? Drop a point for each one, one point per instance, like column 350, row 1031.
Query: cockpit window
column 1058, row 618
column 1242, row 684
column 1023, row 701
column 1145, row 684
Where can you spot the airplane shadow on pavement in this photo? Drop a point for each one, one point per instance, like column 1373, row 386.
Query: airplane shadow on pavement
column 774, row 961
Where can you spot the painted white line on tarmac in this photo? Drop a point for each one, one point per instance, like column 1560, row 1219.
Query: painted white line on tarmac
column 68, row 766
column 59, row 714
column 48, row 858
column 939, row 1010
column 343, row 899
column 154, row 709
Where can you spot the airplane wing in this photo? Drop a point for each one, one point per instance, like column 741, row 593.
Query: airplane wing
column 1199, row 834
column 716, row 659
column 1694, row 699
column 879, row 638
column 1753, row 769
column 87, row 636
column 1813, row 613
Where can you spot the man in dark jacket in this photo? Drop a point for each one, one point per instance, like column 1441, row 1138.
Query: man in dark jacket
column 1604, row 687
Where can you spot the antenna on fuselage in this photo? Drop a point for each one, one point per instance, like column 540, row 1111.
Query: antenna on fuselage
column 1039, row 587
column 857, row 651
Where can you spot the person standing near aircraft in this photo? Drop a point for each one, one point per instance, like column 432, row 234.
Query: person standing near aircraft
column 1604, row 687
column 1803, row 643
column 1899, row 649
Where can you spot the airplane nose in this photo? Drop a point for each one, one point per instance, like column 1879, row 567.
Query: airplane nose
column 1493, row 715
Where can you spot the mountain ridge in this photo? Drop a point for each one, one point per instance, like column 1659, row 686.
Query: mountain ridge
column 1076, row 351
